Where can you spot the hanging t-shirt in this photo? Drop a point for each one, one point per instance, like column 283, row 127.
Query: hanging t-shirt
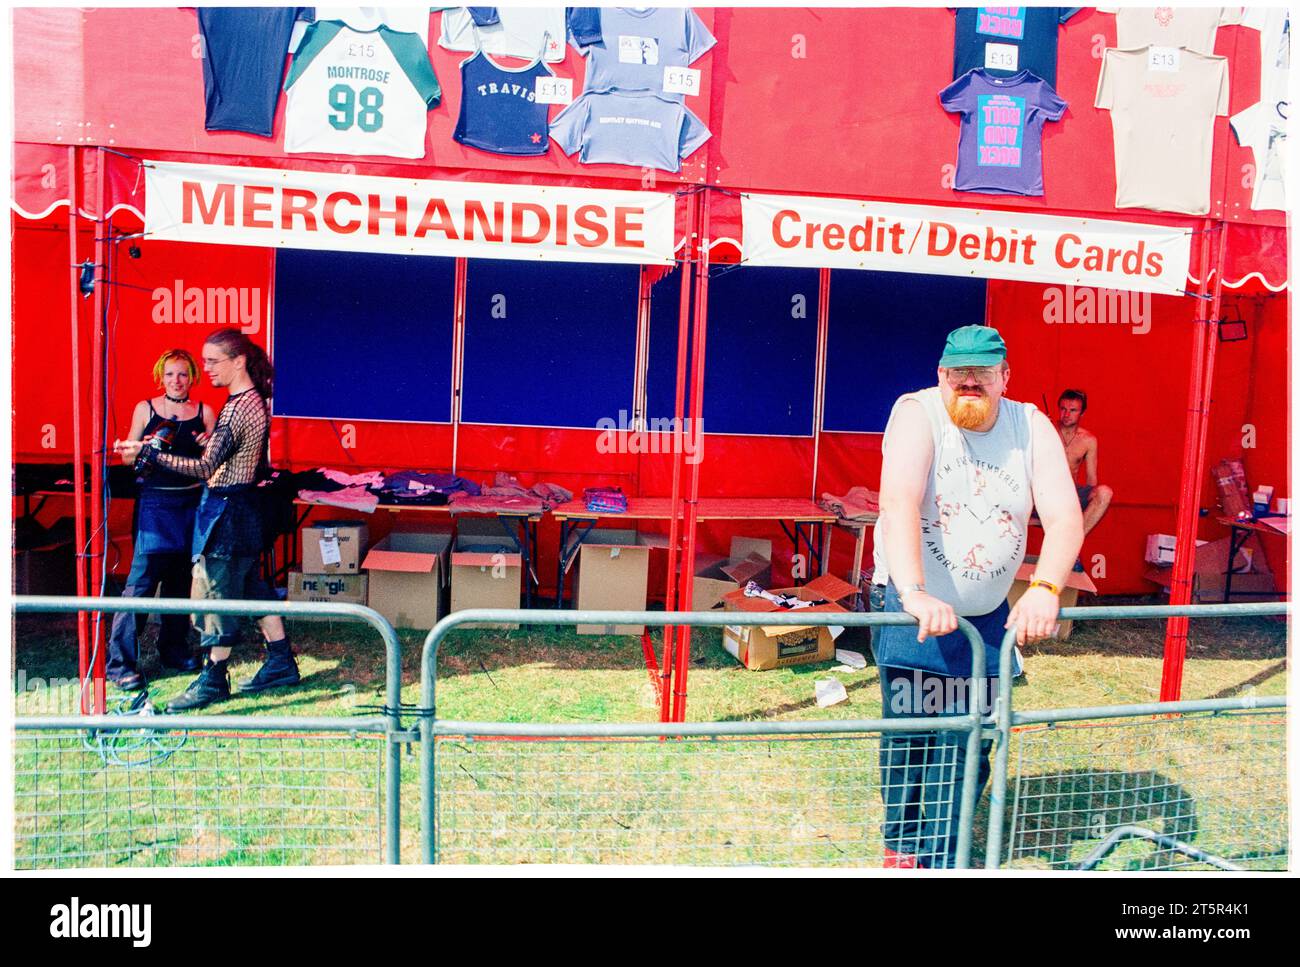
column 1191, row 27
column 1162, row 107
column 1262, row 128
column 1274, row 26
column 640, row 129
column 498, row 107
column 518, row 32
column 1007, row 40
column 1001, row 146
column 412, row 20
column 243, row 60
column 639, row 43
column 359, row 92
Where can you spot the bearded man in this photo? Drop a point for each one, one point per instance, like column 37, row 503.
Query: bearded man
column 963, row 469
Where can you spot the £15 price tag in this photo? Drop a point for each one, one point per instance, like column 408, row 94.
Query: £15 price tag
column 681, row 80
column 1163, row 59
column 1003, row 57
column 553, row 90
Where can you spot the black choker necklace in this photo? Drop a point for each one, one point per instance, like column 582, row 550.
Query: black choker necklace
column 172, row 399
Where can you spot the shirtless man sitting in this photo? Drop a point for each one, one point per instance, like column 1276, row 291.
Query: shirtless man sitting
column 1081, row 448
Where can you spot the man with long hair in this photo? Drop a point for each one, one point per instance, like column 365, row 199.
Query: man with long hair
column 963, row 468
column 228, row 530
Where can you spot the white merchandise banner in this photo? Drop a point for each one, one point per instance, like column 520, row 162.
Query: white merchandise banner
column 842, row 233
column 365, row 213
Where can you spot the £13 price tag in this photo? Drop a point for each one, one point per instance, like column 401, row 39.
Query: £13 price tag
column 681, row 80
column 1163, row 59
column 553, row 90
column 1003, row 57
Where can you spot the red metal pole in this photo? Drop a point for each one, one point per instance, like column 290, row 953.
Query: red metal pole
column 459, row 288
column 98, row 444
column 819, row 404
column 78, row 469
column 697, row 428
column 1194, row 436
column 674, row 530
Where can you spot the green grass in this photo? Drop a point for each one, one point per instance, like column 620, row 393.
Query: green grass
column 805, row 803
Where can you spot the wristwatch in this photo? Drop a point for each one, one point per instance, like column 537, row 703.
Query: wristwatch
column 910, row 589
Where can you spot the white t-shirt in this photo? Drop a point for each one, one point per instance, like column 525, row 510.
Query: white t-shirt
column 520, row 33
column 1274, row 26
column 1262, row 128
column 975, row 512
column 1163, row 124
column 1192, row 27
column 413, row 20
column 359, row 92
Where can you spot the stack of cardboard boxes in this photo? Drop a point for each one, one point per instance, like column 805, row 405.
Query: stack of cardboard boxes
column 332, row 551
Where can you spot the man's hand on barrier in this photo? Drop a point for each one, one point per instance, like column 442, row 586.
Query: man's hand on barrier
column 1035, row 615
column 936, row 617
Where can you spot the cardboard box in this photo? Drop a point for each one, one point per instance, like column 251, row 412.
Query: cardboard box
column 352, row 537
column 1075, row 582
column 760, row 647
column 1160, row 548
column 1250, row 575
column 407, row 571
column 1210, row 555
column 715, row 577
column 613, row 572
column 329, row 588
column 486, row 570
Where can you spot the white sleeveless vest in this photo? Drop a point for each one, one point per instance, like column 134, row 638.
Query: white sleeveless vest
column 975, row 513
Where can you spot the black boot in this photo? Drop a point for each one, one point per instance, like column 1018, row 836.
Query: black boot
column 212, row 685
column 278, row 670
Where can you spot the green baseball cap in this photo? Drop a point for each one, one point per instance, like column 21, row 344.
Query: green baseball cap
column 973, row 346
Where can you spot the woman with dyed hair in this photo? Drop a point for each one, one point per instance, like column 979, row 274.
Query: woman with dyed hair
column 229, row 529
column 164, row 520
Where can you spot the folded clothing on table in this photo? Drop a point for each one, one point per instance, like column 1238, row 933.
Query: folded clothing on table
column 859, row 503
column 605, row 500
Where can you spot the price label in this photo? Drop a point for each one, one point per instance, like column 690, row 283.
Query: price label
column 553, row 90
column 329, row 551
column 1003, row 57
column 681, row 80
column 1163, row 59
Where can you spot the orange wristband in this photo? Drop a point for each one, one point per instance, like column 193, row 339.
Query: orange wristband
column 1040, row 583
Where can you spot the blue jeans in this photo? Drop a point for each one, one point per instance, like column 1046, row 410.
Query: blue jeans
column 148, row 572
column 922, row 773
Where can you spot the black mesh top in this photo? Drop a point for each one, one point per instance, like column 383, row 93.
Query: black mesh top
column 235, row 455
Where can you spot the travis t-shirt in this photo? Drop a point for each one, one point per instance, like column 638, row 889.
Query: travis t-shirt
column 1001, row 146
column 1163, row 124
column 1007, row 40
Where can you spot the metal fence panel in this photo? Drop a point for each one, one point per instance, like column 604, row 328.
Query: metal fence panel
column 146, row 796
column 1213, row 782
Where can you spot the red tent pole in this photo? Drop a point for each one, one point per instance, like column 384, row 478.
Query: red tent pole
column 459, row 288
column 1194, row 440
column 78, row 469
column 674, row 531
column 697, row 427
column 819, row 404
column 98, row 445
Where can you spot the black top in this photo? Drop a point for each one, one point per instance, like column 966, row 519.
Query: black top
column 184, row 444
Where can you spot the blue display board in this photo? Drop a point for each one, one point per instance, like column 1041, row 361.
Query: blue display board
column 363, row 337
column 886, row 333
column 549, row 343
column 661, row 374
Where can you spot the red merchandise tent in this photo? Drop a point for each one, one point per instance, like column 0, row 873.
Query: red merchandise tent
column 815, row 103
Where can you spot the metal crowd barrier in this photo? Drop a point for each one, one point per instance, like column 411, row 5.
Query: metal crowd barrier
column 1090, row 783
column 306, row 796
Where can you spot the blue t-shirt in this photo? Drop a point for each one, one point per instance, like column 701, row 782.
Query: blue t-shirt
column 244, row 50
column 639, row 129
column 637, row 45
column 498, row 107
column 1001, row 147
column 1007, row 40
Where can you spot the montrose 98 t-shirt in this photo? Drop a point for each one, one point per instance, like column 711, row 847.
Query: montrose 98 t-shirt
column 1007, row 40
column 1001, row 146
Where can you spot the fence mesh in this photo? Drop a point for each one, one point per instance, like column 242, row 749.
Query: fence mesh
column 779, row 800
column 1215, row 782
column 138, row 797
